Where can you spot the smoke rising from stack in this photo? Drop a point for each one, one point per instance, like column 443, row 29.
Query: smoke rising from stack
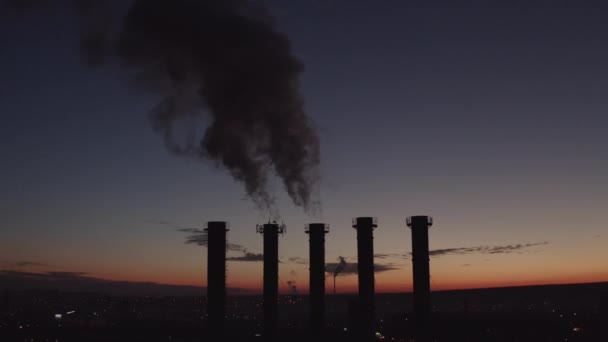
column 218, row 60
column 339, row 268
column 292, row 286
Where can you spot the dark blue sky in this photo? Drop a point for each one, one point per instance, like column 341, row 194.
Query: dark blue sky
column 491, row 118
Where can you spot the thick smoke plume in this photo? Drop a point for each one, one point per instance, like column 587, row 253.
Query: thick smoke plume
column 223, row 62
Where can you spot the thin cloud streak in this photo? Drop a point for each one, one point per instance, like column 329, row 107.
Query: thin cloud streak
column 500, row 249
column 22, row 264
column 390, row 255
column 197, row 236
column 81, row 282
column 350, row 269
column 506, row 249
column 248, row 257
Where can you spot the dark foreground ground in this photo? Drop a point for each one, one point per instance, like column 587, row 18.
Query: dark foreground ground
column 537, row 313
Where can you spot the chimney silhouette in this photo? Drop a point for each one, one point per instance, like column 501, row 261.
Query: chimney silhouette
column 316, row 233
column 420, row 261
column 365, row 266
column 270, row 232
column 216, row 275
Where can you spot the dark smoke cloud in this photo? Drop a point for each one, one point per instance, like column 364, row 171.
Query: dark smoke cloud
column 242, row 71
column 222, row 61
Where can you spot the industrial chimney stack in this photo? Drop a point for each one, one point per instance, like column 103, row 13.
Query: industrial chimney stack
column 216, row 276
column 316, row 232
column 365, row 257
column 420, row 260
column 270, row 232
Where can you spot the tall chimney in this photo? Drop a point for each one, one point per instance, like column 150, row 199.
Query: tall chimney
column 420, row 260
column 270, row 232
column 316, row 233
column 365, row 266
column 216, row 276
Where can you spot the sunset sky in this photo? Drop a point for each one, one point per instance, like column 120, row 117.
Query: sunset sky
column 490, row 119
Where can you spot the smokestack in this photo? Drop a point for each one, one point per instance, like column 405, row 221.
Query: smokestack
column 316, row 232
column 216, row 276
column 365, row 256
column 270, row 232
column 420, row 260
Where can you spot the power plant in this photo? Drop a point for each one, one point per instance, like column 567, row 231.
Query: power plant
column 216, row 275
column 270, row 232
column 316, row 233
column 361, row 310
column 420, row 268
column 365, row 227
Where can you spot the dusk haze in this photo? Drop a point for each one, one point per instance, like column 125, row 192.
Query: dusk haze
column 455, row 145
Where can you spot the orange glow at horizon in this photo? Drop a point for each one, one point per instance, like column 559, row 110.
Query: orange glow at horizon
column 385, row 283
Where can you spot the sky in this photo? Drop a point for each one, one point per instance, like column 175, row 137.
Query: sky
column 490, row 118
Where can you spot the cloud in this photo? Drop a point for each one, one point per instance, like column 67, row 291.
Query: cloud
column 465, row 265
column 22, row 264
column 247, row 256
column 29, row 264
column 505, row 249
column 81, row 282
column 197, row 236
column 350, row 269
column 498, row 249
column 297, row 260
column 200, row 237
column 66, row 275
column 379, row 268
column 390, row 255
